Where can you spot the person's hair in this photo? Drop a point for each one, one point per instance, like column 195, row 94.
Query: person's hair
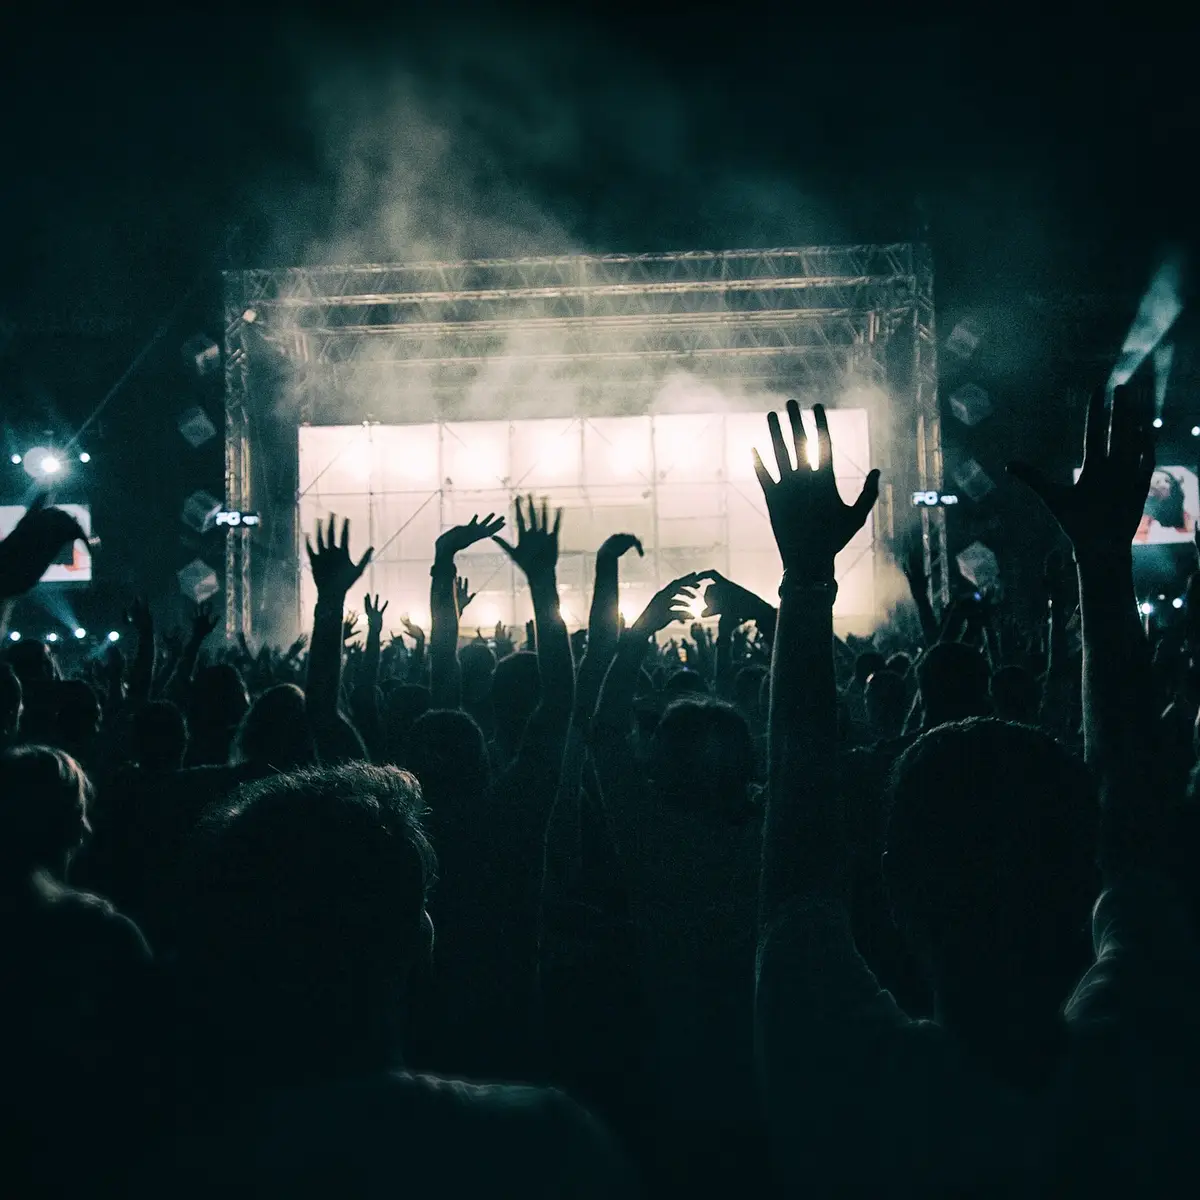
column 1167, row 510
column 11, row 698
column 701, row 758
column 516, row 690
column 447, row 753
column 953, row 682
column 402, row 705
column 78, row 709
column 899, row 663
column 886, row 701
column 275, row 732
column 991, row 848
column 477, row 661
column 160, row 736
column 303, row 912
column 685, row 682
column 1016, row 694
column 866, row 664
column 747, row 688
column 44, row 797
column 217, row 698
column 31, row 661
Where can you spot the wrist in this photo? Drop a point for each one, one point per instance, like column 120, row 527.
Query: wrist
column 443, row 564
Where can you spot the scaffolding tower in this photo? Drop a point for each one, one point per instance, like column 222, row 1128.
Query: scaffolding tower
column 414, row 342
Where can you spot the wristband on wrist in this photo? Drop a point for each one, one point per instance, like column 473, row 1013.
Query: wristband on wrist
column 796, row 586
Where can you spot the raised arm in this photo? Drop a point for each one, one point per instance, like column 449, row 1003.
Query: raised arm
column 33, row 545
column 1100, row 513
column 204, row 621
column 141, row 674
column 536, row 554
column 604, row 624
column 445, row 606
column 334, row 573
column 918, row 587
column 804, row 843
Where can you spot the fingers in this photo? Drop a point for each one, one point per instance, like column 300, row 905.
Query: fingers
column 345, row 534
column 1033, row 479
column 1095, row 429
column 545, row 513
column 799, row 436
column 782, row 458
column 308, row 546
column 867, row 497
column 825, row 443
column 558, row 516
column 764, row 476
column 506, row 546
column 331, row 534
column 364, row 562
column 520, row 518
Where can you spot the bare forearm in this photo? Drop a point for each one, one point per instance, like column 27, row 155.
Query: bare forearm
column 325, row 660
column 141, row 674
column 445, row 676
column 804, row 848
column 556, row 670
column 620, row 683
column 603, row 638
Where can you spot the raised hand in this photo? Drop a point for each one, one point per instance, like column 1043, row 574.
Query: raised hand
column 536, row 551
column 672, row 603
column 138, row 615
column 374, row 611
column 349, row 626
column 296, row 648
column 618, row 545
column 33, row 545
column 334, row 571
column 724, row 598
column 462, row 593
column 1101, row 511
column 477, row 529
column 810, row 521
column 204, row 621
column 414, row 631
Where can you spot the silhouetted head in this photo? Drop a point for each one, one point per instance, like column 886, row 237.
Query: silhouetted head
column 886, row 700
column 953, row 681
column 44, row 798
column 402, row 706
column 748, row 691
column 304, row 914
column 701, row 759
column 160, row 736
column 1016, row 695
column 899, row 664
column 217, row 702
column 1165, row 500
column 516, row 690
column 991, row 860
column 78, row 710
column 32, row 662
column 477, row 663
column 685, row 682
column 10, row 705
column 447, row 753
column 275, row 732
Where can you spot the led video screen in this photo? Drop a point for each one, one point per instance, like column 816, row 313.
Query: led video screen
column 74, row 563
column 1171, row 509
column 684, row 484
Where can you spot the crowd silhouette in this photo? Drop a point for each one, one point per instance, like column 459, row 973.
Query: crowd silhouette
column 749, row 910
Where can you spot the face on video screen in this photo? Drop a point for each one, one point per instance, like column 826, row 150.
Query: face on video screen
column 1172, row 504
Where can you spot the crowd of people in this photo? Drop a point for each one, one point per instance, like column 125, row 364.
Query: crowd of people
column 753, row 909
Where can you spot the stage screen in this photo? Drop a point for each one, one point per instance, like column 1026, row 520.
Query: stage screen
column 684, row 484
column 74, row 563
column 1171, row 509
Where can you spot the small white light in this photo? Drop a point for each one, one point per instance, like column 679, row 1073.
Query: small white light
column 1196, row 431
column 1157, row 422
column 50, row 465
column 52, row 637
column 15, row 636
column 15, row 460
column 85, row 457
column 1145, row 608
column 250, row 316
column 80, row 632
column 113, row 636
column 1177, row 602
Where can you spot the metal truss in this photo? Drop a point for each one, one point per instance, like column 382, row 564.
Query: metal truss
column 573, row 327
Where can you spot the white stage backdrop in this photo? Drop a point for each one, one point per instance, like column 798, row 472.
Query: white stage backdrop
column 684, row 484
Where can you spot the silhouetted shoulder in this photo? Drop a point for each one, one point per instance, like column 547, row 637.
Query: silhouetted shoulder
column 87, row 922
column 399, row 1133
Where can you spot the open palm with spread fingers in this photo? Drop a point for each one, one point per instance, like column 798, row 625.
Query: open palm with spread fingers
column 536, row 551
column 461, row 537
column 334, row 571
column 810, row 520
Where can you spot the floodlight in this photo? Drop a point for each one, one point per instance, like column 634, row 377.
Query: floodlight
column 1145, row 608
column 1177, row 602
column 15, row 636
column 85, row 457
column 113, row 636
column 80, row 632
column 50, row 464
column 52, row 637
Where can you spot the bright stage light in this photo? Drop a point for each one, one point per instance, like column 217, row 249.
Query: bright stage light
column 250, row 316
column 1196, row 431
column 1157, row 422
column 113, row 636
column 630, row 609
column 85, row 457
column 50, row 464
column 52, row 637
column 1177, row 602
column 1145, row 608
column 15, row 460
column 15, row 636
column 80, row 632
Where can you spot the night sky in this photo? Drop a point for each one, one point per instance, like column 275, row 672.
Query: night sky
column 144, row 154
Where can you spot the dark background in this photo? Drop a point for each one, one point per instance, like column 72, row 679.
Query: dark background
column 1048, row 160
